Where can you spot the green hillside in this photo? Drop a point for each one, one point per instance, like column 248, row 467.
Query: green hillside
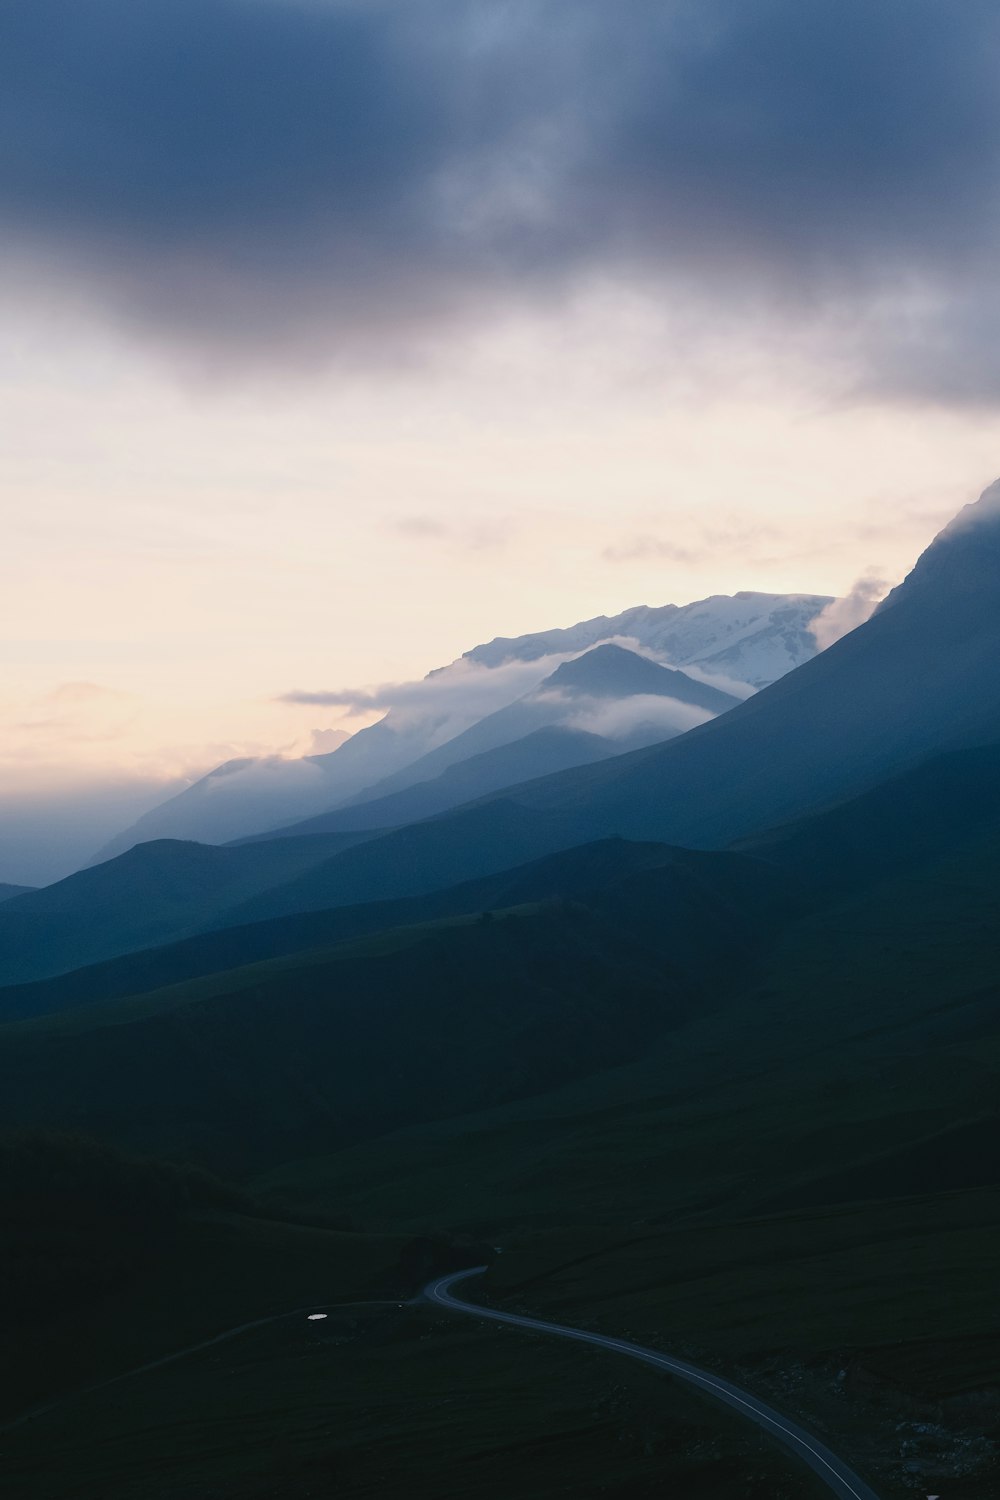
column 569, row 875
column 739, row 1105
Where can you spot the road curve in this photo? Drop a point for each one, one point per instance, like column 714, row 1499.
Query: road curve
column 838, row 1478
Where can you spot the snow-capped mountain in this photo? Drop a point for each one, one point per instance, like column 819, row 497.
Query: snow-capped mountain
column 625, row 698
column 747, row 639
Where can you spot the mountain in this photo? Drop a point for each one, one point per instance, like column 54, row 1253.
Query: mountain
column 748, row 638
column 902, row 824
column 115, row 908
column 788, row 1161
column 635, row 702
column 587, row 958
column 743, row 1102
column 566, row 876
column 537, row 754
column 610, row 671
column 337, row 1042
column 632, row 698
column 215, row 809
column 152, row 894
column 8, row 891
column 917, row 679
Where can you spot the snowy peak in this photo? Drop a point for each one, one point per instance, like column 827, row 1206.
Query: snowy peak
column 738, row 643
column 748, row 638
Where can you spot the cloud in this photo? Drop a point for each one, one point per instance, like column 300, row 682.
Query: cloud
column 618, row 718
column 458, row 694
column 712, row 541
column 642, row 547
column 266, row 178
column 70, row 715
column 420, row 528
column 472, row 536
column 846, row 614
column 735, row 686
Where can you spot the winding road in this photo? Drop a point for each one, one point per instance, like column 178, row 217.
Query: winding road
column 835, row 1474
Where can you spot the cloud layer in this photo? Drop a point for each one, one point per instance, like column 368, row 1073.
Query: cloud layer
column 844, row 615
column 262, row 177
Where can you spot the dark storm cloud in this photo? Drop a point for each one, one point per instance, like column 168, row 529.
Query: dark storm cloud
column 271, row 174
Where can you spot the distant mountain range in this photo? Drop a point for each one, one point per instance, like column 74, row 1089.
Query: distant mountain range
column 917, row 679
column 634, row 700
column 744, row 642
column 746, row 637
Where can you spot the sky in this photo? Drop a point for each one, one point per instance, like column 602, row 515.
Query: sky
column 340, row 337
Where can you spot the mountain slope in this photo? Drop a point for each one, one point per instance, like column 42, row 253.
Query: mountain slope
column 340, row 1043
column 8, row 892
column 910, row 820
column 610, row 671
column 153, row 893
column 537, row 754
column 750, row 638
column 565, row 876
column 635, row 700
column 860, row 1059
column 423, row 857
column 576, row 695
column 917, row 679
column 904, row 824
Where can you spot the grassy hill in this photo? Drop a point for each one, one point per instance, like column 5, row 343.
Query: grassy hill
column 743, row 1106
column 110, row 1260
column 568, row 876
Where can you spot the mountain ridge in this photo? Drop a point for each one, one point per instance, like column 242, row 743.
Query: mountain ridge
column 748, row 637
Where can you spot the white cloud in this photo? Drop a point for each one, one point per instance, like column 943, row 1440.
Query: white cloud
column 617, row 718
column 846, row 614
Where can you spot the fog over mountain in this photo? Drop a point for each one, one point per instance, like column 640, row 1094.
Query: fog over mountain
column 600, row 704
column 732, row 644
column 916, row 679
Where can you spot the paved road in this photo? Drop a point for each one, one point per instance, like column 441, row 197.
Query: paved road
column 838, row 1478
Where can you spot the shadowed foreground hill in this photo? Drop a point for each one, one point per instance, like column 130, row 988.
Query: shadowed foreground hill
column 339, row 1043
column 592, row 955
column 106, row 1256
column 692, row 1109
column 569, row 875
